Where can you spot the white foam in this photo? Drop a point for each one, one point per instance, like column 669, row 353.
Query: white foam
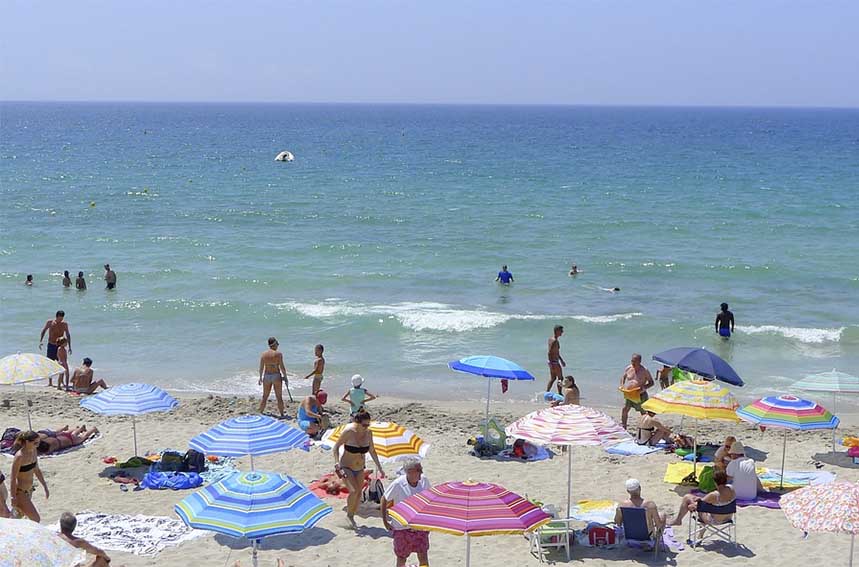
column 802, row 334
column 605, row 318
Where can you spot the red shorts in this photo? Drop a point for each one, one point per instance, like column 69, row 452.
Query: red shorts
column 407, row 542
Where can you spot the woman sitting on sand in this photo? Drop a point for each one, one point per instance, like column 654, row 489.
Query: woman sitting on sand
column 52, row 441
column 356, row 440
column 25, row 466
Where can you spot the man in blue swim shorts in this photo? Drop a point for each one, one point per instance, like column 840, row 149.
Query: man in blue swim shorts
column 725, row 322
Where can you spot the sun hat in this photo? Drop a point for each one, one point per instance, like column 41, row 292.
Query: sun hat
column 737, row 448
column 357, row 381
column 632, row 485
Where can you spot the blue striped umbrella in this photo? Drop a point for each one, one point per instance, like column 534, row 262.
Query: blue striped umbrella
column 253, row 505
column 701, row 362
column 250, row 435
column 130, row 399
column 490, row 367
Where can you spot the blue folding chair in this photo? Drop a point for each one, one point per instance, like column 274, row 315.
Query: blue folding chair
column 635, row 528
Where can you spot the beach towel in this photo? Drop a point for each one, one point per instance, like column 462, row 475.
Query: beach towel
column 8, row 450
column 316, row 489
column 771, row 478
column 140, row 535
column 676, row 472
column 507, row 455
column 763, row 500
column 217, row 470
column 598, row 511
column 631, row 448
column 157, row 480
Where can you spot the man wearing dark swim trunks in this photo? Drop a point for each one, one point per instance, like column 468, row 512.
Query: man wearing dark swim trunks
column 55, row 328
column 725, row 322
column 556, row 361
column 109, row 277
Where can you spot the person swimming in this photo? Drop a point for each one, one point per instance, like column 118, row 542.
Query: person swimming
column 574, row 270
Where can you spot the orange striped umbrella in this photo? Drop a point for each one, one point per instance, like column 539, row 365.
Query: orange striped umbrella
column 392, row 442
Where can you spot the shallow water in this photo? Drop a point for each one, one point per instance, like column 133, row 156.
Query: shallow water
column 383, row 238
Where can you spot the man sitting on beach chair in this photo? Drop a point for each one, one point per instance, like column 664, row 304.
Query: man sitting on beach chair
column 654, row 522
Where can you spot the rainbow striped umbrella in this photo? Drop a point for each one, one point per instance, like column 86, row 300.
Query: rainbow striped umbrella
column 253, row 505
column 470, row 509
column 831, row 507
column 788, row 412
column 568, row 425
column 392, row 442
column 27, row 367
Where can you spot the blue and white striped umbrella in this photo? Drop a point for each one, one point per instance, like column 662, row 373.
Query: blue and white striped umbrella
column 253, row 505
column 130, row 399
column 250, row 435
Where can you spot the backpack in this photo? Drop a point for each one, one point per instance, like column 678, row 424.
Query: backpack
column 706, row 483
column 194, row 461
column 171, row 461
column 374, row 491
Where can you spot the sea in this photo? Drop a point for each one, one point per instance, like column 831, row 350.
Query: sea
column 383, row 238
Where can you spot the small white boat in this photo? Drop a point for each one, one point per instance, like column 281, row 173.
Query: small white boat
column 284, row 156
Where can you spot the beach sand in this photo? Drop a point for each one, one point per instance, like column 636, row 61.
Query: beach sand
column 78, row 482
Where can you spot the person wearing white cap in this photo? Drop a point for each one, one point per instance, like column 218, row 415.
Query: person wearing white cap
column 357, row 396
column 655, row 521
column 742, row 474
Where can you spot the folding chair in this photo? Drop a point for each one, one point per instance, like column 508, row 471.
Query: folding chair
column 708, row 531
column 635, row 528
column 554, row 535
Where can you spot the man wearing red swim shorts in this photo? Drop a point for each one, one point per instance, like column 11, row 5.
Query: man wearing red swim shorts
column 406, row 541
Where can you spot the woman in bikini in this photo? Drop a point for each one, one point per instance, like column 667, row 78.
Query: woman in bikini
column 356, row 440
column 51, row 441
column 25, row 466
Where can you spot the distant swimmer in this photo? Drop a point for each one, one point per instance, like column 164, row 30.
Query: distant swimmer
column 574, row 271
column 29, row 281
column 610, row 289
column 80, row 282
column 109, row 277
column 67, row 279
column 725, row 322
column 504, row 276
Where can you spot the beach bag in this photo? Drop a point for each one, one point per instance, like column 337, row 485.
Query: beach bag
column 171, row 461
column 601, row 535
column 705, row 480
column 374, row 491
column 194, row 461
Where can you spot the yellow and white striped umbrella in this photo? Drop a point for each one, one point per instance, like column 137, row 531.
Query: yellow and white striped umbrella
column 393, row 442
column 27, row 367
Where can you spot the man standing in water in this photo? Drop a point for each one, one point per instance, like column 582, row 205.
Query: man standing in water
column 556, row 361
column 725, row 322
column 271, row 373
column 636, row 379
column 504, row 276
column 109, row 277
column 55, row 328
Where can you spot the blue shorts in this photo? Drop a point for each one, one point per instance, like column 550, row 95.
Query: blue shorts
column 724, row 332
column 52, row 351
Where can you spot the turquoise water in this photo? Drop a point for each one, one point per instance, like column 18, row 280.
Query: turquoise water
column 382, row 239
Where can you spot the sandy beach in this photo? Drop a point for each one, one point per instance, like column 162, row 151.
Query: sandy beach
column 78, row 482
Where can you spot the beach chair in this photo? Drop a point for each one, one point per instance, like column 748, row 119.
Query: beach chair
column 704, row 531
column 554, row 535
column 635, row 528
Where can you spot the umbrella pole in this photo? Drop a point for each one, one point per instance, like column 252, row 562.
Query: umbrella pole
column 834, row 402
column 695, row 452
column 27, row 403
column 569, row 501
column 252, row 462
column 134, row 431
column 255, row 559
column 486, row 423
column 783, row 451
column 467, row 550
column 852, row 540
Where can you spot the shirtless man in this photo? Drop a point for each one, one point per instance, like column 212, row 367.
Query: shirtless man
column 634, row 377
column 55, row 328
column 556, row 361
column 655, row 521
column 68, row 523
column 318, row 369
column 724, row 322
column 271, row 373
column 82, row 381
column 109, row 277
column 80, row 282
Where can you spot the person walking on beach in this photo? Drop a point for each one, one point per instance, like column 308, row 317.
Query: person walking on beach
column 406, row 540
column 82, row 379
column 356, row 439
column 109, row 277
column 556, row 361
column 25, row 466
column 505, row 277
column 725, row 322
column 80, row 282
column 55, row 328
column 272, row 372
column 67, row 279
column 318, row 369
column 634, row 382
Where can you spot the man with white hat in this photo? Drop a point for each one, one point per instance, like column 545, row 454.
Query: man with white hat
column 357, row 396
column 741, row 473
column 655, row 521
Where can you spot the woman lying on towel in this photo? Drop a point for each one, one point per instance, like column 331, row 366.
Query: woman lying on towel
column 51, row 441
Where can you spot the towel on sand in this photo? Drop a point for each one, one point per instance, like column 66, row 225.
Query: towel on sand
column 507, row 455
column 631, row 448
column 763, row 500
column 770, row 479
column 676, row 472
column 140, row 535
column 599, row 511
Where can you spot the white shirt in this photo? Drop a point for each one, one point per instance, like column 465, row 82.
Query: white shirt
column 400, row 489
column 744, row 478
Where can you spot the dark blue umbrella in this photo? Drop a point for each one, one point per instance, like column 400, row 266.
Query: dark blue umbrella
column 699, row 361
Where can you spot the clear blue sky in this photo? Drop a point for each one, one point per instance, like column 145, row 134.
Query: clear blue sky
column 647, row 52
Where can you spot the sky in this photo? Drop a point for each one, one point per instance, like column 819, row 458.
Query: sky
column 600, row 52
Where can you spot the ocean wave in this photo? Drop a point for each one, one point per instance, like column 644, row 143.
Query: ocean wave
column 431, row 316
column 808, row 335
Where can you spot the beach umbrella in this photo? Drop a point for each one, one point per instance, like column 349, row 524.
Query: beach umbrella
column 472, row 509
column 834, row 382
column 253, row 505
column 22, row 368
column 249, row 435
column 568, row 425
column 831, row 507
column 788, row 412
column 29, row 543
column 130, row 399
column 699, row 361
column 490, row 367
column 698, row 399
column 392, row 442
